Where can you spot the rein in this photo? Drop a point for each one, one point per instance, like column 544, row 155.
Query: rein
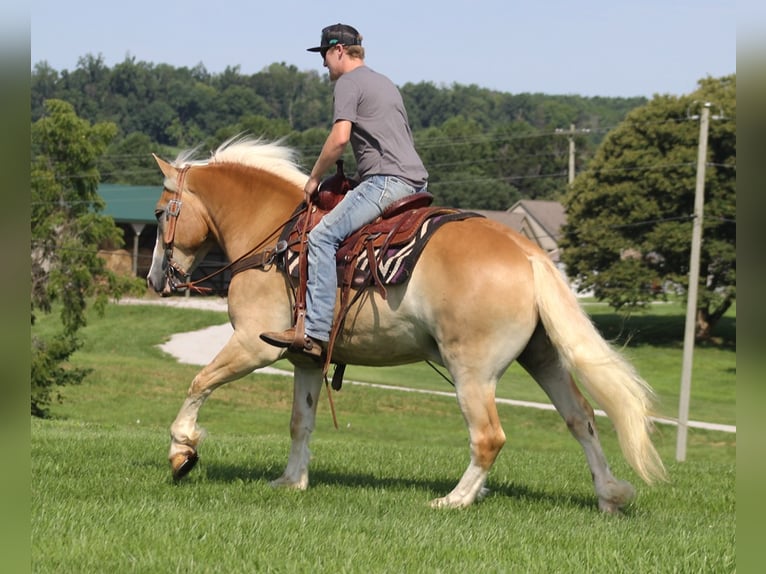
column 174, row 271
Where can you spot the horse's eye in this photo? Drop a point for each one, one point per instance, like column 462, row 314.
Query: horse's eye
column 158, row 213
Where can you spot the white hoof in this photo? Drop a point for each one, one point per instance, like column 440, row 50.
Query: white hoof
column 614, row 495
column 449, row 502
column 285, row 482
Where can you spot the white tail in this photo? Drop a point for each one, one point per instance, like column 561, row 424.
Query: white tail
column 609, row 378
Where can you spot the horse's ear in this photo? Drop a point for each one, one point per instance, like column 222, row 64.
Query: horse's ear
column 168, row 170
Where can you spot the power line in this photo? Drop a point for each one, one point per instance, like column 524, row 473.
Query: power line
column 504, row 179
column 431, row 144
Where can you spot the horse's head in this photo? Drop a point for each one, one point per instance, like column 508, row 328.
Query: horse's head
column 183, row 231
column 240, row 198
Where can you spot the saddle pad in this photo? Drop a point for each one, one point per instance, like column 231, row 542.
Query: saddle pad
column 396, row 264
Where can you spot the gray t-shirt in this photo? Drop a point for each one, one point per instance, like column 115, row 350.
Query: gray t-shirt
column 380, row 135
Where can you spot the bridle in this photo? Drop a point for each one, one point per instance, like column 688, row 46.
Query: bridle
column 178, row 279
column 175, row 274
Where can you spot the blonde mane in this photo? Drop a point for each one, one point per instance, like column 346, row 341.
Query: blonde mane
column 269, row 156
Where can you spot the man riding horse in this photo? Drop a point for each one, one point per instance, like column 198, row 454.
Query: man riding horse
column 369, row 113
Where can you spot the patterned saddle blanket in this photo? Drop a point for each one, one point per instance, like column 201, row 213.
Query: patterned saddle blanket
column 382, row 253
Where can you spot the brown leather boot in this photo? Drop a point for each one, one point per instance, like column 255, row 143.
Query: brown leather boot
column 286, row 339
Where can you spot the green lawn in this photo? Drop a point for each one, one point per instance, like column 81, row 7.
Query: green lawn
column 103, row 500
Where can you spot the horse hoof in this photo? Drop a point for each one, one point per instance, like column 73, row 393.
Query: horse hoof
column 283, row 482
column 446, row 502
column 182, row 464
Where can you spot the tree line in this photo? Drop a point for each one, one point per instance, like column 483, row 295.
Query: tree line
column 484, row 149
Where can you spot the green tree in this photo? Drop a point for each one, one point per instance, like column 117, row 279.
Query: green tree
column 629, row 227
column 461, row 165
column 534, row 162
column 44, row 83
column 129, row 160
column 282, row 87
column 67, row 230
column 427, row 106
column 184, row 107
column 87, row 87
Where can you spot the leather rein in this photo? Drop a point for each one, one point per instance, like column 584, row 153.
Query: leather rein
column 177, row 276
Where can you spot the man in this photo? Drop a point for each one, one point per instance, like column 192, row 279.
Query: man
column 368, row 112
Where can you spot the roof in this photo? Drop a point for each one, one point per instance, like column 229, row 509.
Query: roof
column 130, row 203
column 549, row 214
column 512, row 220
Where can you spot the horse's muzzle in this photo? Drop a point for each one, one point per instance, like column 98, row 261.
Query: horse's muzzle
column 163, row 287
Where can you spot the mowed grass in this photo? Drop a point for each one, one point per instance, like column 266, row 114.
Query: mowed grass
column 103, row 500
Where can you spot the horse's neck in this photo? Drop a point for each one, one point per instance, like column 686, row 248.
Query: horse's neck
column 247, row 208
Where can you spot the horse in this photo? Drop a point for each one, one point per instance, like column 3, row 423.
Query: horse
column 480, row 296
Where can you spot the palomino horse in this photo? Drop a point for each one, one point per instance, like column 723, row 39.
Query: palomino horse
column 480, row 296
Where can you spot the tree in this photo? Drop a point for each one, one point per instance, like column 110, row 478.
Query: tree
column 67, row 230
column 427, row 106
column 460, row 161
column 129, row 160
column 630, row 215
column 43, row 86
column 518, row 154
column 534, row 162
column 86, row 88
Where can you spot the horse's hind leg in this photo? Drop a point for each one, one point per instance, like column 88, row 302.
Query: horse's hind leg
column 306, row 389
column 542, row 362
column 476, row 397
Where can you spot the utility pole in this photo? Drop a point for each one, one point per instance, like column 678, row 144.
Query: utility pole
column 694, row 273
column 571, row 154
column 137, row 229
column 571, row 137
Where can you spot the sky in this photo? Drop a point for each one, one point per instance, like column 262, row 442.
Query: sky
column 607, row 48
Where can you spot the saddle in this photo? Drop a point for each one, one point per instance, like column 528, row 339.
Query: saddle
column 397, row 226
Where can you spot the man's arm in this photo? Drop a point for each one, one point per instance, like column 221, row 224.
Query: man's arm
column 331, row 151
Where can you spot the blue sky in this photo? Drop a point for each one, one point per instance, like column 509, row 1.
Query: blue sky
column 590, row 48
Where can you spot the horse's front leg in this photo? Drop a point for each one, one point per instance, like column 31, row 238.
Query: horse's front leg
column 307, row 385
column 234, row 361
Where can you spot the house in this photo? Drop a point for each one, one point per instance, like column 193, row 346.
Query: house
column 132, row 208
column 539, row 221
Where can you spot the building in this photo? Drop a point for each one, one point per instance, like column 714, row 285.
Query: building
column 539, row 221
column 132, row 208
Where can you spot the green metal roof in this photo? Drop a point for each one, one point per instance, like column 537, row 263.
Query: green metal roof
column 130, row 203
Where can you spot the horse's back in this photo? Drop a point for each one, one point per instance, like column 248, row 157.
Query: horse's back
column 471, row 287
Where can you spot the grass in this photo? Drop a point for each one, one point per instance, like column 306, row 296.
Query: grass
column 102, row 497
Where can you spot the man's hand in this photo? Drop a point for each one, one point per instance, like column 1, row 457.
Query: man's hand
column 332, row 150
column 311, row 186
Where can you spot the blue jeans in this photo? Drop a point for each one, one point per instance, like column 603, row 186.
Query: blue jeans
column 360, row 206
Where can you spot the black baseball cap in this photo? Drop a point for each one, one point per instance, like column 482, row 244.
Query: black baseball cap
column 338, row 34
